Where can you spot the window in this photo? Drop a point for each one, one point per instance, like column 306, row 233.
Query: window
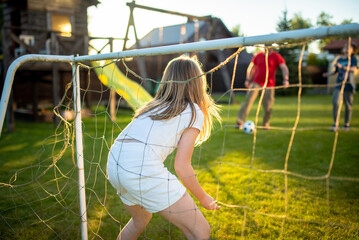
column 62, row 24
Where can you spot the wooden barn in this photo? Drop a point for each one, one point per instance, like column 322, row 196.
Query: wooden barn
column 42, row 27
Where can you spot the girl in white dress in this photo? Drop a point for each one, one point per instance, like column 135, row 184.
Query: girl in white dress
column 179, row 116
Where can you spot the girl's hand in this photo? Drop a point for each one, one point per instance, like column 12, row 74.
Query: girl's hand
column 208, row 203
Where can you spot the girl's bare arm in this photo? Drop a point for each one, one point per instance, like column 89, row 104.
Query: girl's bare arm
column 185, row 171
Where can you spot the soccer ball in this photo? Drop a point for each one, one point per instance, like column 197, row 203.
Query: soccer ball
column 248, row 127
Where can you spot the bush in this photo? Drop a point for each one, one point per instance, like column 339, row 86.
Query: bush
column 313, row 60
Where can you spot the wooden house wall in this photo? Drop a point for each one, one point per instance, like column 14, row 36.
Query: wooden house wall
column 42, row 5
column 38, row 9
column 33, row 17
column 14, row 13
column 33, row 81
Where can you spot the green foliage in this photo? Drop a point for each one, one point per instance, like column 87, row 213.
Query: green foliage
column 236, row 30
column 224, row 167
column 324, row 19
column 289, row 55
column 313, row 60
column 283, row 23
column 298, row 22
column 347, row 21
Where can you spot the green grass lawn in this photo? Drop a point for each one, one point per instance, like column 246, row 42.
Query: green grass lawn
column 39, row 199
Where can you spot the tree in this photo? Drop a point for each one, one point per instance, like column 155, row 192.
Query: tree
column 288, row 53
column 347, row 21
column 284, row 23
column 236, row 30
column 324, row 19
column 298, row 22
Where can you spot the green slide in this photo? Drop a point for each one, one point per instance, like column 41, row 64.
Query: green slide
column 111, row 76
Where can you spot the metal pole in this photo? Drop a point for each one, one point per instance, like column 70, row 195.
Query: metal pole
column 79, row 149
column 235, row 42
column 11, row 74
column 112, row 92
column 134, row 5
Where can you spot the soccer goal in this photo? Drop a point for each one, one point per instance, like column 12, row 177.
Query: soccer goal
column 298, row 179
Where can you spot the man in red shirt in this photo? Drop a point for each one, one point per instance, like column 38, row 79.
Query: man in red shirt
column 261, row 76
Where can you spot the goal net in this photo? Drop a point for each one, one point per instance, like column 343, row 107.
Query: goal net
column 297, row 180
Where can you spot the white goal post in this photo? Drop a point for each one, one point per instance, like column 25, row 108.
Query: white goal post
column 235, row 42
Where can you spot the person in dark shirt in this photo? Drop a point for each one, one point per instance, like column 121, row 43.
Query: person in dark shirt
column 345, row 72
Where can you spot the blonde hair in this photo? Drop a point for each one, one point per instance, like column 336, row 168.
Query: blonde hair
column 183, row 83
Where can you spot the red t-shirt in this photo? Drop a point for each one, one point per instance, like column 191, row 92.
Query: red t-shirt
column 274, row 60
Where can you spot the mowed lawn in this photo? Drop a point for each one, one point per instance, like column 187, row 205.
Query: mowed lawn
column 317, row 198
